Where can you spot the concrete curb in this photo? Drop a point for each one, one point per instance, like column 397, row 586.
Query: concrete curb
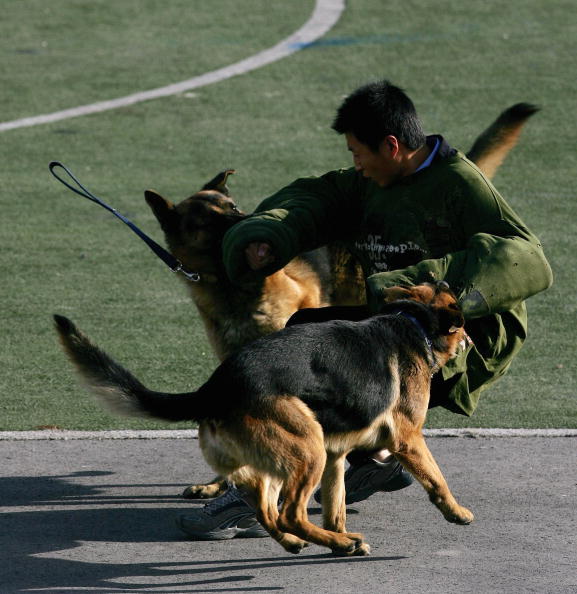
column 54, row 434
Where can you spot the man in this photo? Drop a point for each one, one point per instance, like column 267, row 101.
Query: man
column 412, row 209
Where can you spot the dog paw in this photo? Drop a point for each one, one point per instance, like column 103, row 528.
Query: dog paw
column 356, row 548
column 362, row 550
column 461, row 516
column 204, row 491
column 294, row 546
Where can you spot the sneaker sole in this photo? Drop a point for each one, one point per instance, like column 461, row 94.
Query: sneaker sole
column 224, row 533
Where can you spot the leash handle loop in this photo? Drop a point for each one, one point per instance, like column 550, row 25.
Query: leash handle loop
column 174, row 264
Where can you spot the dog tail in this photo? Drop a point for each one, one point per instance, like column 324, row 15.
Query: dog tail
column 493, row 145
column 117, row 387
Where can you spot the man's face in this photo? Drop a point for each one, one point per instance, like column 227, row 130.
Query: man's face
column 381, row 167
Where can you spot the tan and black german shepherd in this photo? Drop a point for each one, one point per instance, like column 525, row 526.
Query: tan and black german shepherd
column 234, row 316
column 280, row 415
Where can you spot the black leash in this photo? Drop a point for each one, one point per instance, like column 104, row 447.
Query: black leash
column 174, row 264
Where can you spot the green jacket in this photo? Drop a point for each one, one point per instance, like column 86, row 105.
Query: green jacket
column 446, row 222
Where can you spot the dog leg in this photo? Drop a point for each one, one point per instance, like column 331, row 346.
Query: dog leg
column 298, row 487
column 286, row 442
column 267, row 493
column 333, row 493
column 416, row 457
column 294, row 518
column 333, row 498
column 218, row 457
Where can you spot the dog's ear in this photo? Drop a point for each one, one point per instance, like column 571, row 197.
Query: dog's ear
column 163, row 210
column 218, row 182
column 450, row 320
column 395, row 293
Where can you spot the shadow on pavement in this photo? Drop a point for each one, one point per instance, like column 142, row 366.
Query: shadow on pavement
column 70, row 513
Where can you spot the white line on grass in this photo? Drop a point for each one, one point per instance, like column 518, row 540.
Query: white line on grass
column 325, row 15
column 53, row 434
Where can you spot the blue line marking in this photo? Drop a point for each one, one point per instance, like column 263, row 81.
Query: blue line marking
column 384, row 38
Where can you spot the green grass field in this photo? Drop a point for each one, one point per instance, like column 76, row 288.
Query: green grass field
column 461, row 62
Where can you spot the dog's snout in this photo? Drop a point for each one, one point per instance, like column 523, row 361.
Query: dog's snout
column 442, row 285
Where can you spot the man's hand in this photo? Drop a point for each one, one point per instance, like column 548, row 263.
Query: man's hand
column 259, row 255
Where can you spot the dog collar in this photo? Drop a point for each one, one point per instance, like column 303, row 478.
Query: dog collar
column 431, row 355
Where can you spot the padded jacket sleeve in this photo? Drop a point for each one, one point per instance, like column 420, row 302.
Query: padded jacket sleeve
column 304, row 215
column 502, row 264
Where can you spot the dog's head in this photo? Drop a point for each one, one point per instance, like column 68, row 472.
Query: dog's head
column 438, row 297
column 197, row 224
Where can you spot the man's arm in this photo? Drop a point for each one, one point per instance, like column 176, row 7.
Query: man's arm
column 502, row 263
column 304, row 215
column 492, row 275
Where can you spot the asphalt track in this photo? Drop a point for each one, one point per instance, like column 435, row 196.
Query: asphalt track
column 97, row 515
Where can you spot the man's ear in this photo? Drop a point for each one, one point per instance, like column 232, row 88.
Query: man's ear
column 390, row 145
column 163, row 210
column 218, row 182
column 450, row 320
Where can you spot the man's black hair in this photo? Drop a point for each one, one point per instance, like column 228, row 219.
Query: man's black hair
column 377, row 110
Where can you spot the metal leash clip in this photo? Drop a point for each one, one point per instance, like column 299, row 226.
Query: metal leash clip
column 191, row 276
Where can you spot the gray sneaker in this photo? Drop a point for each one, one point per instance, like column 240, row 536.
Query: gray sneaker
column 362, row 481
column 227, row 516
column 366, row 479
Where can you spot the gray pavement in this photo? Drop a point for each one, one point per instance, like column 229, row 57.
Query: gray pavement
column 98, row 516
